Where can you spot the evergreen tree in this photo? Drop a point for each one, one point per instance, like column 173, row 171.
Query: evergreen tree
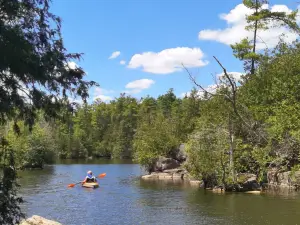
column 261, row 19
column 36, row 73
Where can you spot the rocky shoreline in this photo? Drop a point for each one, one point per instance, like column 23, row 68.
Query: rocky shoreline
column 171, row 168
column 173, row 174
column 277, row 182
column 38, row 220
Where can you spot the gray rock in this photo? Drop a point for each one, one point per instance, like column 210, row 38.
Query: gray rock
column 165, row 176
column 150, row 176
column 247, row 182
column 272, row 176
column 283, row 179
column 177, row 176
column 38, row 220
column 295, row 178
column 166, row 164
column 178, row 154
column 175, row 171
column 195, row 183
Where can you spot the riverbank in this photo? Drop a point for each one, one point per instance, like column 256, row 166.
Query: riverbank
column 173, row 169
column 246, row 182
column 173, row 174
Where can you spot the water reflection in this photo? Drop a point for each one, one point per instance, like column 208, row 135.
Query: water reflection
column 163, row 184
column 94, row 161
column 34, row 179
column 123, row 198
column 241, row 208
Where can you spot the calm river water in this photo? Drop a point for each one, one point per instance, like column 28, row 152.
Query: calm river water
column 123, row 198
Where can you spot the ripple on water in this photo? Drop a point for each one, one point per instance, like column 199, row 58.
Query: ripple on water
column 123, row 198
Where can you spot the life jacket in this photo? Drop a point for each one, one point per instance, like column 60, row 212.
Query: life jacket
column 90, row 177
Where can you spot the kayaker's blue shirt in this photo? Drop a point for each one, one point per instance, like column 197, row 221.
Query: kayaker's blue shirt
column 89, row 176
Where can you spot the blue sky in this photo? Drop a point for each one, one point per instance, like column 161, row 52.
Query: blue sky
column 153, row 38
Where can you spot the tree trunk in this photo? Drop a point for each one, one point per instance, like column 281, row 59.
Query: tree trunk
column 254, row 40
column 231, row 148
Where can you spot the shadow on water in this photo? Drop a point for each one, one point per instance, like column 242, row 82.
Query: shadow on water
column 163, row 184
column 243, row 208
column 206, row 207
column 34, row 179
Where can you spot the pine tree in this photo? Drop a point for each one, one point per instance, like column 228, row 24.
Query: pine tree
column 261, row 19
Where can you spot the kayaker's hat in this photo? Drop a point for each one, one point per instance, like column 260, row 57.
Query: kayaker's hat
column 89, row 172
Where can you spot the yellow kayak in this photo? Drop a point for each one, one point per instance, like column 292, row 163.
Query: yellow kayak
column 90, row 185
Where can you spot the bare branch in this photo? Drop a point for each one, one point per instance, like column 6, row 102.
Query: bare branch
column 233, row 99
column 202, row 88
column 215, row 79
column 233, row 85
column 194, row 81
column 263, row 41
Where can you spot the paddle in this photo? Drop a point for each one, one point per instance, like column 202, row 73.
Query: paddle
column 99, row 176
column 72, row 185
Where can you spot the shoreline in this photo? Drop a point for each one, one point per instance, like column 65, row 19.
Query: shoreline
column 38, row 220
column 249, row 186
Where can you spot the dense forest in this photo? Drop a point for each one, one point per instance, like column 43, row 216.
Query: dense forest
column 246, row 124
column 124, row 127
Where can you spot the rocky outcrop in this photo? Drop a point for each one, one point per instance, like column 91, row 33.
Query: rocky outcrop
column 173, row 160
column 178, row 174
column 179, row 154
column 38, row 220
column 247, row 182
column 169, row 168
column 164, row 163
column 166, row 174
column 284, row 179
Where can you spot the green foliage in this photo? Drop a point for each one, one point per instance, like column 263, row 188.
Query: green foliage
column 248, row 129
column 10, row 212
column 153, row 141
column 33, row 149
column 36, row 73
column 261, row 19
column 35, row 66
column 207, row 150
column 258, row 122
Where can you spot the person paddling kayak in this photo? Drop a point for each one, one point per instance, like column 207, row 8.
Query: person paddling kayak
column 89, row 178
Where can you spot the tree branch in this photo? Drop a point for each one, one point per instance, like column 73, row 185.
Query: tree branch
column 233, row 85
column 200, row 86
column 233, row 99
column 194, row 81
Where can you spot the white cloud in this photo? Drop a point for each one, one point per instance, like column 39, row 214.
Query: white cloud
column 104, row 98
column 200, row 93
column 100, row 93
column 235, row 75
column 137, row 86
column 122, row 62
column 114, row 55
column 214, row 87
column 140, row 84
column 236, row 21
column 168, row 60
